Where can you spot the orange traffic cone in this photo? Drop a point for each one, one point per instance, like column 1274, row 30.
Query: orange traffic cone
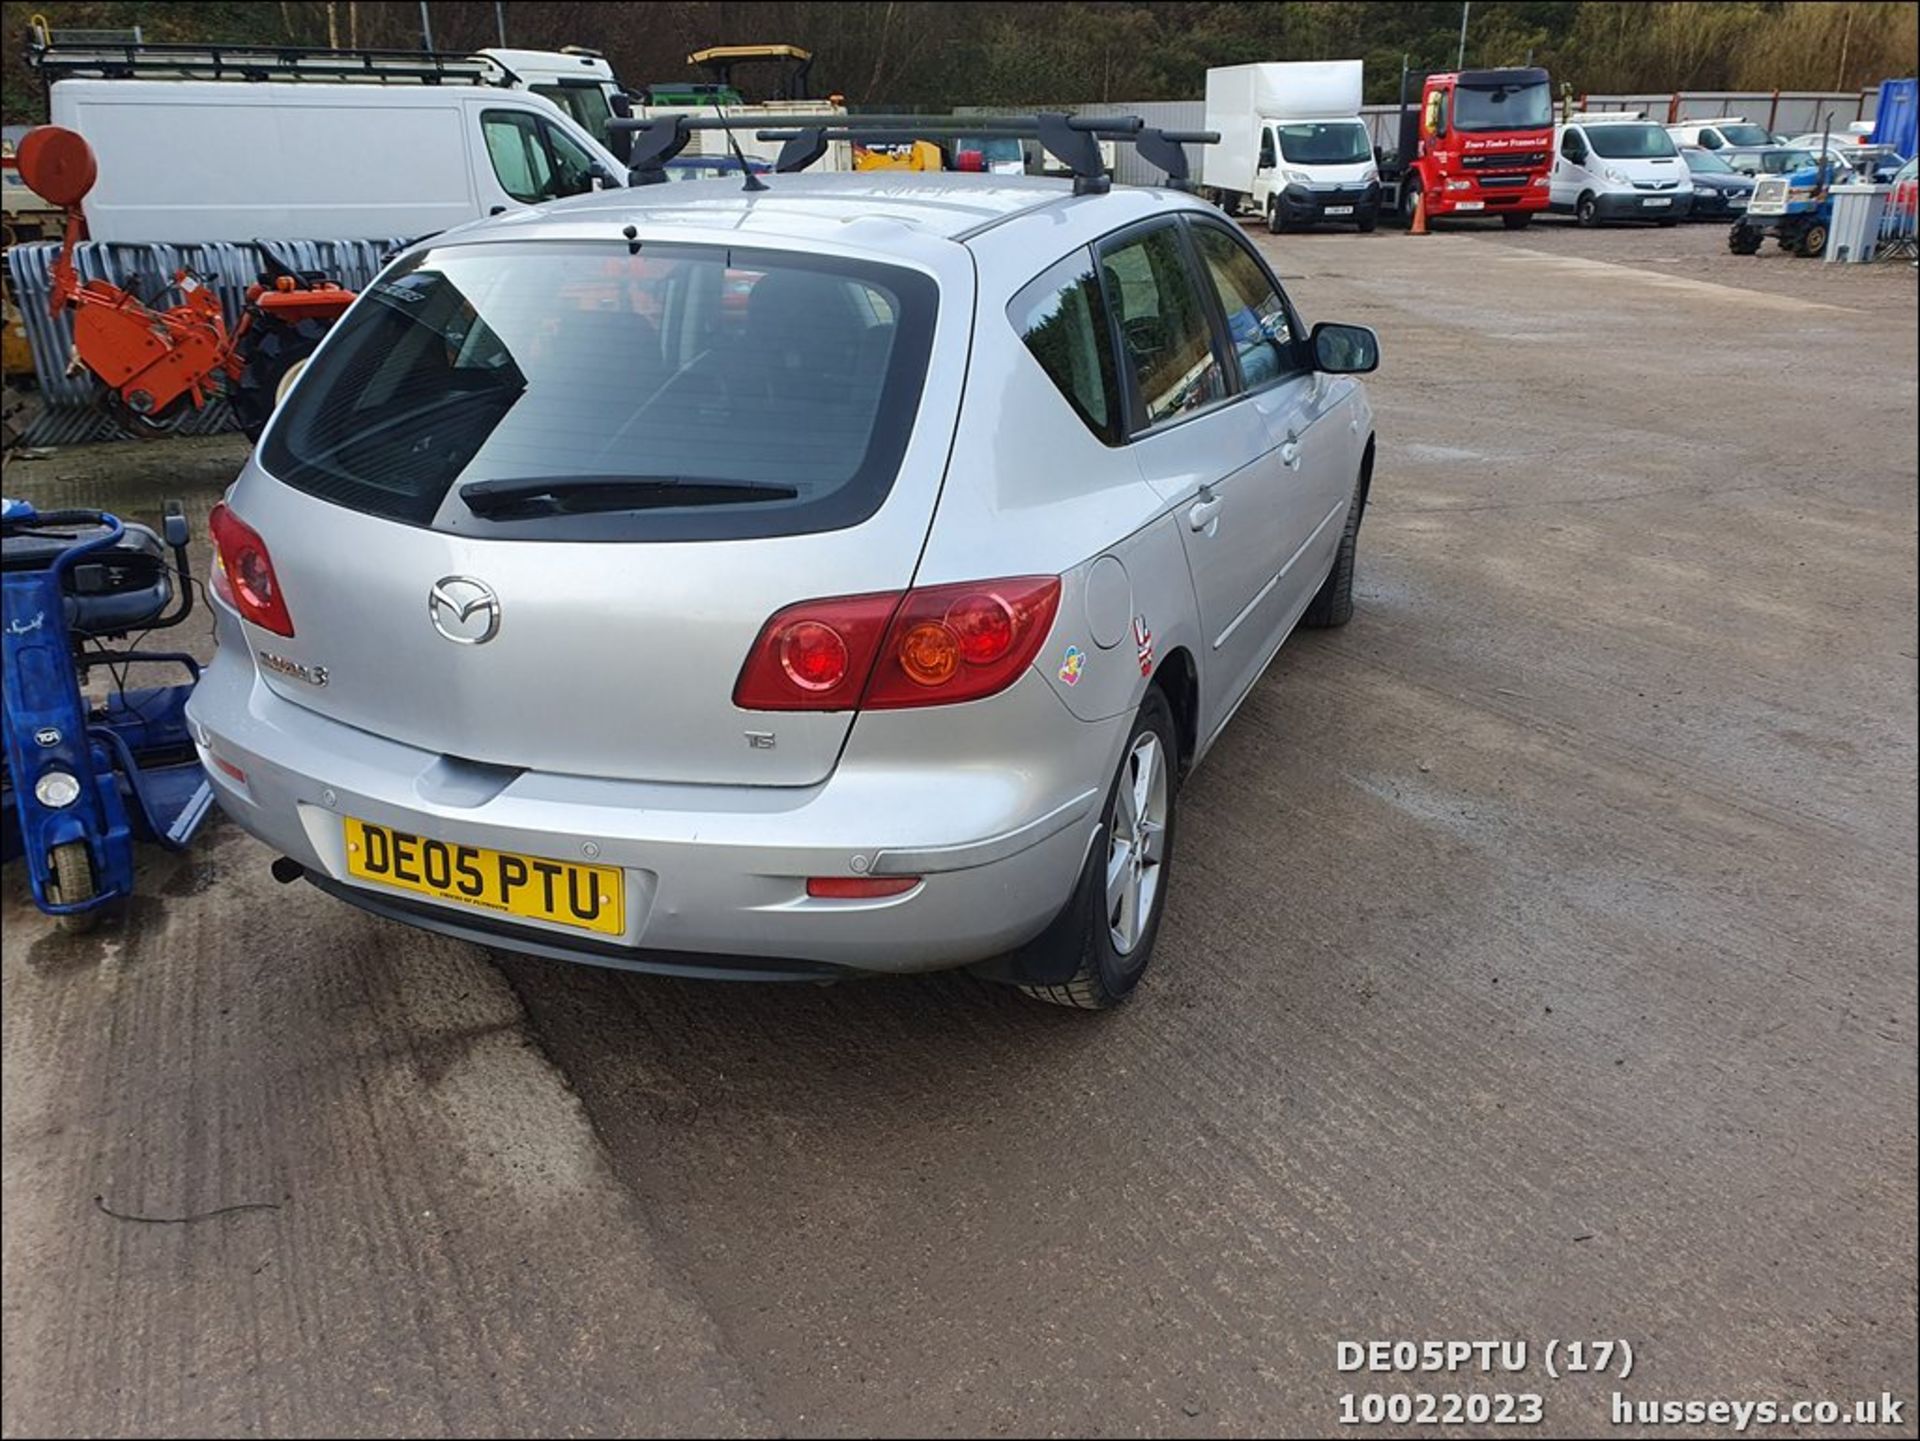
column 1419, row 213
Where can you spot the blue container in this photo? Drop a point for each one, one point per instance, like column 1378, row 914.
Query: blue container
column 1893, row 122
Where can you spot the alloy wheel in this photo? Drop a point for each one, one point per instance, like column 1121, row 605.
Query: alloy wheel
column 1136, row 842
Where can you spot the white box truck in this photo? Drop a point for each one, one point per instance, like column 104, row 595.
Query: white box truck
column 183, row 161
column 1293, row 147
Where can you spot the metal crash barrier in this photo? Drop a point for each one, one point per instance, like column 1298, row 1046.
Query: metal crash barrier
column 1897, row 239
column 71, row 413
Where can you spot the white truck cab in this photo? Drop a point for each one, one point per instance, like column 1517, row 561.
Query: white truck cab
column 1618, row 166
column 1292, row 144
column 309, row 160
column 578, row 80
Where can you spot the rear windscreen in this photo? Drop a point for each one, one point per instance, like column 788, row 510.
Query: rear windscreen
column 681, row 392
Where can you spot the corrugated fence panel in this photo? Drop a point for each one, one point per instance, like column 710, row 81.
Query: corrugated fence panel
column 71, row 413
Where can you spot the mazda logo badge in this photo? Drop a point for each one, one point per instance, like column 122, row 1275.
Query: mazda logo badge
column 464, row 610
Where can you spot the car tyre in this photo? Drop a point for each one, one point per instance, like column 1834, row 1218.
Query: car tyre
column 273, row 350
column 1332, row 604
column 1743, row 241
column 1517, row 222
column 1813, row 240
column 1409, row 196
column 1368, row 219
column 1587, row 210
column 1276, row 218
column 1668, row 223
column 1123, row 887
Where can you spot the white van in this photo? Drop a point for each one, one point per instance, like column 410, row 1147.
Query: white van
column 1292, row 144
column 1721, row 132
column 183, row 161
column 1617, row 168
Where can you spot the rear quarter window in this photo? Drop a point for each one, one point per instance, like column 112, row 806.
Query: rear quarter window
column 1062, row 319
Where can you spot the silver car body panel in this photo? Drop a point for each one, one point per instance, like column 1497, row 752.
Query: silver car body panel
column 601, row 716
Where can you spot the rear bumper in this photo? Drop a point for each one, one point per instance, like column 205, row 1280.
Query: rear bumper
column 715, row 876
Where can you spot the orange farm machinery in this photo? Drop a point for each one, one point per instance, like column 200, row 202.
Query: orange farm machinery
column 156, row 366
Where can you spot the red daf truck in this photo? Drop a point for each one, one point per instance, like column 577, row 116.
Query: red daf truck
column 1479, row 144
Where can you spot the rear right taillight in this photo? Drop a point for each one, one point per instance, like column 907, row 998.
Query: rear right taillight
column 243, row 572
column 934, row 646
column 951, row 643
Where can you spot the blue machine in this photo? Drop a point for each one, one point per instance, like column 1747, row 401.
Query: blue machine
column 1894, row 122
column 1796, row 210
column 83, row 782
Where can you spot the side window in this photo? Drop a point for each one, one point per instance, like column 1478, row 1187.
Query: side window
column 1267, row 158
column 586, row 104
column 1573, row 146
column 1063, row 320
column 1257, row 321
column 1711, row 139
column 1166, row 340
column 572, row 166
column 519, row 158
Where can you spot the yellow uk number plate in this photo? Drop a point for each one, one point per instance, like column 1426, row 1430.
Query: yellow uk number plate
column 566, row 893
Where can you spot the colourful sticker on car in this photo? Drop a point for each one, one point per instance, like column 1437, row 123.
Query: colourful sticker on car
column 1071, row 665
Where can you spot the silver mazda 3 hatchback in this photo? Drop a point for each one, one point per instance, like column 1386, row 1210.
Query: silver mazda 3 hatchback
column 835, row 578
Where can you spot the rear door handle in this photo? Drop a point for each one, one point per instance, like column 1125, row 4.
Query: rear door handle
column 1204, row 510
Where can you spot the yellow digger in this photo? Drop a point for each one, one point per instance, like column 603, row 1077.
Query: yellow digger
column 913, row 155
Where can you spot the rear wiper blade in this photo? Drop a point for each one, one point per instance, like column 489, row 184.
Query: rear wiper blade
column 616, row 492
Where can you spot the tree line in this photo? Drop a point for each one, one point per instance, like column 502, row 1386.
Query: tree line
column 936, row 54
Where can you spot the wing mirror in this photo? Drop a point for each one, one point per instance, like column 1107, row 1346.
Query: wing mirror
column 1344, row 349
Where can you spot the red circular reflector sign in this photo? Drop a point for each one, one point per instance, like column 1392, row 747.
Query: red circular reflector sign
column 57, row 164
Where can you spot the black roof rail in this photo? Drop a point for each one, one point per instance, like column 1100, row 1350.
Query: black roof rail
column 113, row 60
column 1070, row 139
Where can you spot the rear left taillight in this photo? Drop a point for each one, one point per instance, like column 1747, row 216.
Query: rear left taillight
column 934, row 646
column 243, row 572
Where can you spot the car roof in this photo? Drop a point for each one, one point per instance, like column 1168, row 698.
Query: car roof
column 801, row 206
column 729, row 163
